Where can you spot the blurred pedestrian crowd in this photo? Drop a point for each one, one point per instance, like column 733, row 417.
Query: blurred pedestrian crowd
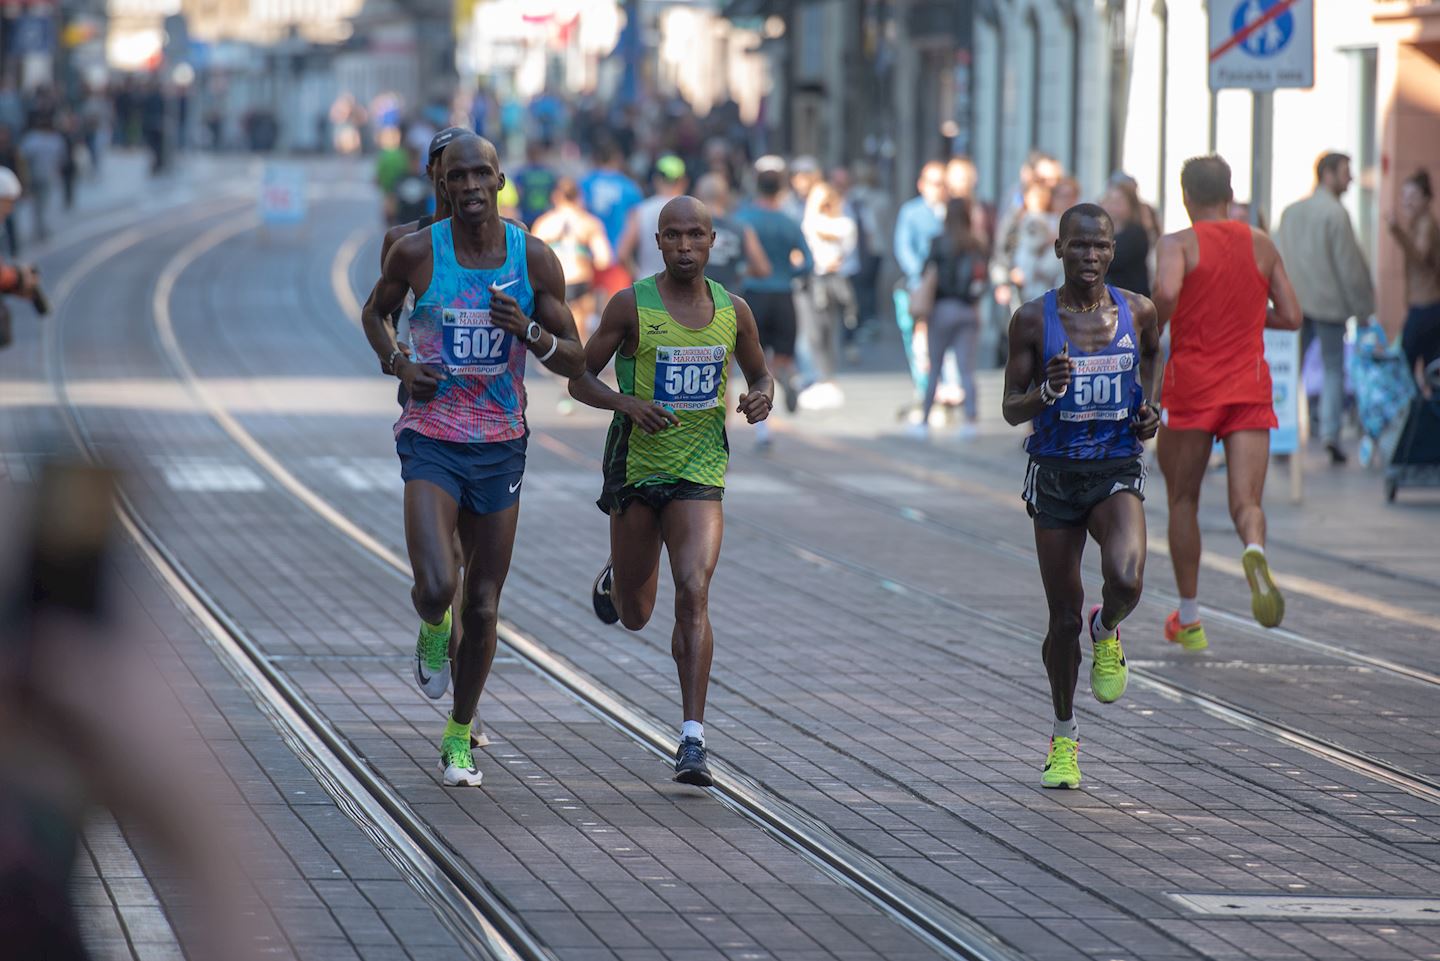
column 829, row 262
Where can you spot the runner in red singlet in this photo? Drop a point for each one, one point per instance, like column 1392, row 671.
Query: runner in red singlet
column 1215, row 284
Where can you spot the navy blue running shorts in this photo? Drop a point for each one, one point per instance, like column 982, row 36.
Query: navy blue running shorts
column 483, row 478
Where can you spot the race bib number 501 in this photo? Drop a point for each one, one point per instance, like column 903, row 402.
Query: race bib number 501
column 471, row 344
column 688, row 378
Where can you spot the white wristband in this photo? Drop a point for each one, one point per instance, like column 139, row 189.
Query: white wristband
column 554, row 345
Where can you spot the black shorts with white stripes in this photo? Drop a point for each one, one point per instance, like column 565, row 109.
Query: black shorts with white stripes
column 1062, row 493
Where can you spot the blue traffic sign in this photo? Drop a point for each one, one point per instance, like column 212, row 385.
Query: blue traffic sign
column 1270, row 37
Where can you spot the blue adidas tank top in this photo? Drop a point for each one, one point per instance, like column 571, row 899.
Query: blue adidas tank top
column 1092, row 420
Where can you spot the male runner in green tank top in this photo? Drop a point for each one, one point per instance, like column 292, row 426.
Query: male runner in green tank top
column 672, row 336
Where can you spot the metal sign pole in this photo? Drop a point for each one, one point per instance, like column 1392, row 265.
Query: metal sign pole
column 1262, row 143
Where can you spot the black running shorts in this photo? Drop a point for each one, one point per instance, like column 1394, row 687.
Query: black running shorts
column 614, row 500
column 774, row 319
column 1062, row 493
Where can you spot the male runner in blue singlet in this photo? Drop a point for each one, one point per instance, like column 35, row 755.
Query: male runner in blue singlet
column 1079, row 357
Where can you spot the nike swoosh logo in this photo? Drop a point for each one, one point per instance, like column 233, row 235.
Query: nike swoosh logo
column 516, row 486
column 504, row 285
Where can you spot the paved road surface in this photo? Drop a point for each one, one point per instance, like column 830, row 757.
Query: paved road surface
column 877, row 614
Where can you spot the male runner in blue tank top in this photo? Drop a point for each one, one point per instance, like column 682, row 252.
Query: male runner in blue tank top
column 1079, row 357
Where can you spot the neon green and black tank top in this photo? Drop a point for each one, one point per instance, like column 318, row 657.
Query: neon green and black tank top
column 686, row 371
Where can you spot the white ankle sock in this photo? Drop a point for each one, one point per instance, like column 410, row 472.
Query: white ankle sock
column 1068, row 728
column 1258, row 548
column 1189, row 610
column 693, row 729
column 1097, row 626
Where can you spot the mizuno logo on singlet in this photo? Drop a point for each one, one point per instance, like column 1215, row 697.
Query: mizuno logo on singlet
column 1126, row 342
column 655, row 328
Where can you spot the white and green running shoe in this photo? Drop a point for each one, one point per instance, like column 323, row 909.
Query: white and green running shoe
column 458, row 763
column 432, row 658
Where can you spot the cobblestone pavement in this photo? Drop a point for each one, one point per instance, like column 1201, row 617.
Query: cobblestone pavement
column 877, row 614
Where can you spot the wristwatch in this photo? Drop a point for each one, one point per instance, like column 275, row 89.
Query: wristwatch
column 532, row 332
column 390, row 361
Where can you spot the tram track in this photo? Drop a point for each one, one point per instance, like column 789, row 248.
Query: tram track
column 1152, row 597
column 1382, row 771
column 497, row 930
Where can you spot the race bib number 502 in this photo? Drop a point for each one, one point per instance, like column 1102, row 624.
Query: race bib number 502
column 473, row 345
column 688, row 378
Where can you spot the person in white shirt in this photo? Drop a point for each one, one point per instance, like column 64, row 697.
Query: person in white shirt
column 833, row 236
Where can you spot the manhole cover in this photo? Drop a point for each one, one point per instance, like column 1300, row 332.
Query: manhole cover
column 1290, row 906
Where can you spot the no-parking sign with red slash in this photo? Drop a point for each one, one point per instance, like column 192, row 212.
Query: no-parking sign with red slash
column 1262, row 44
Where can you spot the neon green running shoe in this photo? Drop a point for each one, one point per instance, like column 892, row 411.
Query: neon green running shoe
column 1189, row 636
column 1265, row 601
column 1062, row 767
column 458, row 763
column 1108, row 673
column 432, row 658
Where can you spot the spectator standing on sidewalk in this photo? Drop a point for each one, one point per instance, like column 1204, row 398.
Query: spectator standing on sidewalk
column 918, row 222
column 1415, row 230
column 43, row 150
column 954, row 276
column 872, row 215
column 1130, row 270
column 610, row 194
column 833, row 237
column 850, row 268
column 11, row 160
column 772, row 297
column 1317, row 242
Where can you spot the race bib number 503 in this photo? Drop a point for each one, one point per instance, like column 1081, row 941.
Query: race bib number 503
column 471, row 344
column 688, row 378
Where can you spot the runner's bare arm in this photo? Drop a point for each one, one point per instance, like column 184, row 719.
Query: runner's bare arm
column 756, row 402
column 1147, row 420
column 406, row 268
column 558, row 343
column 1023, row 400
column 757, row 263
column 391, row 237
column 601, row 254
column 1169, row 276
column 1285, row 314
column 388, row 296
column 629, row 241
column 619, row 331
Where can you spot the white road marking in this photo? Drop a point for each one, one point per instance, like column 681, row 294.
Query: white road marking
column 208, row 474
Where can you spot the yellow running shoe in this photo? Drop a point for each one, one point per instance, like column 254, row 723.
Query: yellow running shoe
column 1189, row 636
column 1108, row 673
column 1062, row 767
column 1265, row 601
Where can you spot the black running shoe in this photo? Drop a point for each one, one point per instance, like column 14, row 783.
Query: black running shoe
column 690, row 766
column 600, row 596
column 792, row 395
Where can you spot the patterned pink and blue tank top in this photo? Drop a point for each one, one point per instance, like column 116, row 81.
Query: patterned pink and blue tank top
column 1092, row 420
column 481, row 398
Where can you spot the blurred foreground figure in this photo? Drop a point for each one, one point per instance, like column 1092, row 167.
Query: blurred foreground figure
column 81, row 726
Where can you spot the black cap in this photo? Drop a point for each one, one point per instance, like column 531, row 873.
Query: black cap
column 442, row 140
